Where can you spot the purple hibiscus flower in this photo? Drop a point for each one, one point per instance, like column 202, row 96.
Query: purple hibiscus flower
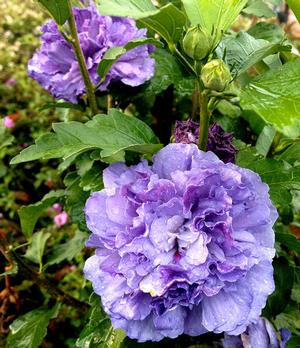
column 219, row 142
column 259, row 335
column 55, row 66
column 182, row 246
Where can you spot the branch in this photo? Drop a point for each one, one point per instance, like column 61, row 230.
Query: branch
column 28, row 273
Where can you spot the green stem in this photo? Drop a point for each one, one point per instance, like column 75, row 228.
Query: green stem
column 275, row 144
column 182, row 59
column 81, row 61
column 261, row 67
column 204, row 118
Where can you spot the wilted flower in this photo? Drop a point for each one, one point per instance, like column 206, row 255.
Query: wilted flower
column 8, row 122
column 55, row 67
column 183, row 246
column 186, row 132
column 61, row 219
column 219, row 142
column 259, row 335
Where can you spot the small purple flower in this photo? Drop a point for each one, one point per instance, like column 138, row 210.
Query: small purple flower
column 55, row 67
column 8, row 122
column 219, row 142
column 57, row 208
column 285, row 336
column 11, row 82
column 182, row 246
column 258, row 335
column 61, row 219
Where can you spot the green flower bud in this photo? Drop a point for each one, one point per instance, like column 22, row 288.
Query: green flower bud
column 216, row 75
column 197, row 43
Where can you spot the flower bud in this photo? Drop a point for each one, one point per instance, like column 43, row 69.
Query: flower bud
column 197, row 43
column 215, row 75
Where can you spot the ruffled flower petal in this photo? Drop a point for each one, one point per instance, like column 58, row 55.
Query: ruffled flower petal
column 182, row 246
column 55, row 66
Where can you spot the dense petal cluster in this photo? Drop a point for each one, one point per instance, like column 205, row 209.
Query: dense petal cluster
column 219, row 142
column 55, row 67
column 259, row 335
column 182, row 246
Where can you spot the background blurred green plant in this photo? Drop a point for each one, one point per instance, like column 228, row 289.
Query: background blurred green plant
column 21, row 99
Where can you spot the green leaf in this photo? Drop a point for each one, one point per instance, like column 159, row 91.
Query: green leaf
column 216, row 16
column 289, row 240
column 295, row 6
column 296, row 287
column 112, row 133
column 29, row 330
column 30, row 214
column 168, row 21
column 120, row 132
column 63, row 105
column 113, row 54
column 5, row 139
column 291, row 154
column 284, row 279
column 167, row 72
column 185, row 87
column 267, row 31
column 109, row 58
column 286, row 214
column 46, row 146
column 92, row 179
column 68, row 250
column 75, row 199
column 127, row 8
column 289, row 320
column 99, row 333
column 35, row 251
column 58, row 9
column 275, row 97
column 293, row 342
column 281, row 179
column 243, row 51
column 256, row 123
column 265, row 140
column 259, row 8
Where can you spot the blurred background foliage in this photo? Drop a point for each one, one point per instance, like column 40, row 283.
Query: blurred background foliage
column 22, row 99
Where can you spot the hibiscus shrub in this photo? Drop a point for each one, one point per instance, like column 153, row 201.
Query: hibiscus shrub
column 173, row 219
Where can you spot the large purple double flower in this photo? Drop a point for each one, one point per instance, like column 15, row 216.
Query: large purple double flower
column 182, row 246
column 55, row 67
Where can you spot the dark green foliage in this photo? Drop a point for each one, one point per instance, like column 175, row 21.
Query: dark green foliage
column 42, row 264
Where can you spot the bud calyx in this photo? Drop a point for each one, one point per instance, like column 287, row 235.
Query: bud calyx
column 197, row 43
column 215, row 75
